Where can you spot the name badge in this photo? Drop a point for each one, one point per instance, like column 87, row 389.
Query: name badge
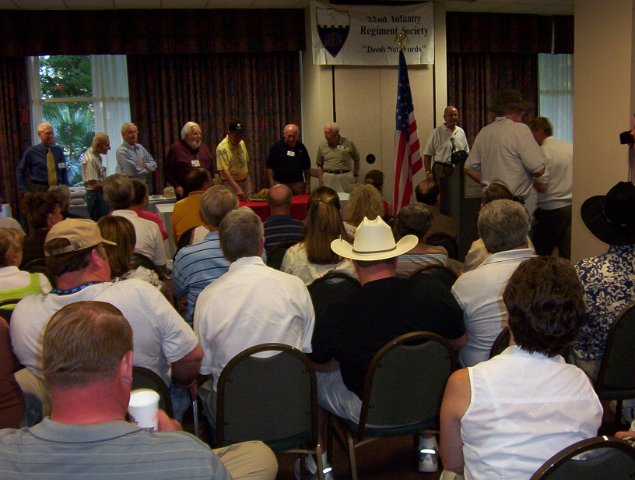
column 290, row 153
column 196, row 163
column 61, row 165
column 340, row 147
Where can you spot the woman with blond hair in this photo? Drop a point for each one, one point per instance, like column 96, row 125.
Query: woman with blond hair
column 313, row 257
column 365, row 201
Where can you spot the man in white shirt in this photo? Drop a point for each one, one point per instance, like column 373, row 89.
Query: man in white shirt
column 119, row 195
column 94, row 174
column 437, row 158
column 552, row 219
column 505, row 151
column 76, row 259
column 249, row 305
column 503, row 227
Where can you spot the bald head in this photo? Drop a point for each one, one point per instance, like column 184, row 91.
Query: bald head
column 291, row 134
column 279, row 199
column 451, row 117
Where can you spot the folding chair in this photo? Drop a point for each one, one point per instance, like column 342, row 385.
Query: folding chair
column 605, row 458
column 270, row 398
column 402, row 391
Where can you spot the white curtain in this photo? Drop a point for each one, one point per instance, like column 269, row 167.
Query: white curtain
column 111, row 105
column 555, row 87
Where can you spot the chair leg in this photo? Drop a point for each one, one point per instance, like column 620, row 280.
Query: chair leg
column 351, row 455
column 319, row 462
column 618, row 415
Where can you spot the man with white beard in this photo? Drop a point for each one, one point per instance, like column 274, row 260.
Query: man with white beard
column 185, row 155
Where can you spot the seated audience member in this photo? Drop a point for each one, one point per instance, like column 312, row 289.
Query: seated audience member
column 77, row 261
column 119, row 194
column 11, row 400
column 62, row 195
column 365, row 201
column 376, row 179
column 503, row 226
column 249, row 305
column 313, row 257
column 428, row 192
column 384, row 308
column 280, row 226
column 185, row 215
column 477, row 252
column 42, row 211
column 87, row 365
column 505, row 417
column 198, row 265
column 415, row 219
column 139, row 203
column 15, row 283
column 120, row 231
column 607, row 279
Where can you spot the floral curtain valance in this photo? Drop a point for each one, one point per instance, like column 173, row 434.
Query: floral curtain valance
column 90, row 32
column 505, row 33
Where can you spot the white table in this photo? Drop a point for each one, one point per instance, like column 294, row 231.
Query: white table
column 165, row 212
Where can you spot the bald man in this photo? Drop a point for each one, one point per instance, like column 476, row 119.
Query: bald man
column 443, row 141
column 42, row 165
column 289, row 162
column 281, row 227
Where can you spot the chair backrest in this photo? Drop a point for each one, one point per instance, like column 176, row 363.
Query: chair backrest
column 616, row 378
column 184, row 240
column 269, row 398
column 332, row 288
column 275, row 254
column 405, row 381
column 606, row 457
column 501, row 342
column 444, row 240
column 440, row 272
column 146, row 378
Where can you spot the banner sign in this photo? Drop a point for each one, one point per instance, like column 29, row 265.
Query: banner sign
column 369, row 35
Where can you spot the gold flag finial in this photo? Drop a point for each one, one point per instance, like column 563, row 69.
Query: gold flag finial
column 402, row 39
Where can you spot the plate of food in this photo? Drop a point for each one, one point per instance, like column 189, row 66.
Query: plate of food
column 260, row 195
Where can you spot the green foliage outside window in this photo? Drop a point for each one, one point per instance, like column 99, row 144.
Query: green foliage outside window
column 68, row 77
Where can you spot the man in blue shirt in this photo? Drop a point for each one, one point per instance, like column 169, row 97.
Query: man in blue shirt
column 198, row 265
column 133, row 160
column 42, row 165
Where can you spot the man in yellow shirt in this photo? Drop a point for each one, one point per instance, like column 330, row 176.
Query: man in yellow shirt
column 232, row 161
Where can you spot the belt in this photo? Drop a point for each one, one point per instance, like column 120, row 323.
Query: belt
column 337, row 172
column 39, row 182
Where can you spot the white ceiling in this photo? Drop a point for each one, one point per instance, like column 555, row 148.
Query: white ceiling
column 542, row 7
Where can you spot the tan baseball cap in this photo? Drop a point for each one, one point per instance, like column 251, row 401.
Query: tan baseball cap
column 71, row 235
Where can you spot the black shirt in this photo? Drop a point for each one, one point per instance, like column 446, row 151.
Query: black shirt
column 288, row 163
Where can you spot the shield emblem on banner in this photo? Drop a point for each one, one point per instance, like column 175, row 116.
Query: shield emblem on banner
column 333, row 27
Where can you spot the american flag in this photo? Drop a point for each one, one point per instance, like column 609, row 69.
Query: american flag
column 408, row 158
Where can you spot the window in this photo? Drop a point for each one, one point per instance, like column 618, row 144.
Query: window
column 80, row 95
column 555, row 91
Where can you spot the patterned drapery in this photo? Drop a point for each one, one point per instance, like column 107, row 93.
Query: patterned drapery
column 14, row 123
column 262, row 90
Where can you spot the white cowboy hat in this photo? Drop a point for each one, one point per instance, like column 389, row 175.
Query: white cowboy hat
column 373, row 241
